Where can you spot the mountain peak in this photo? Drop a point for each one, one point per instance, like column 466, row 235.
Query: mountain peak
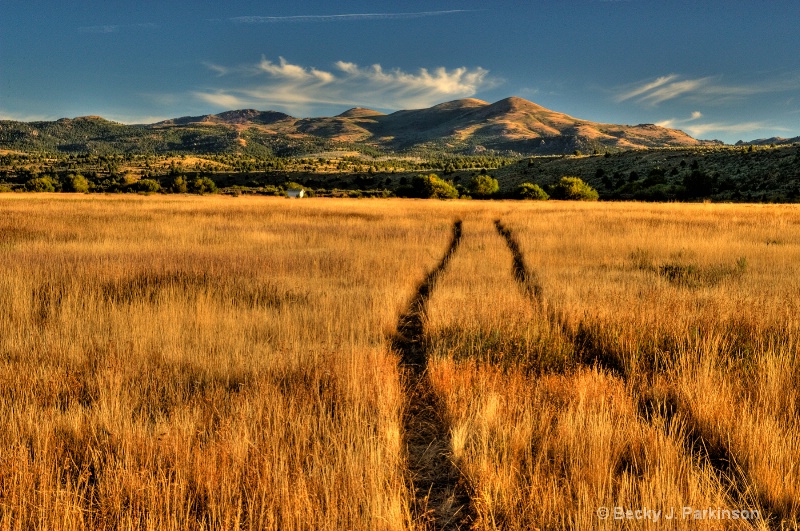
column 238, row 117
column 90, row 118
column 246, row 116
column 359, row 112
column 464, row 103
column 515, row 103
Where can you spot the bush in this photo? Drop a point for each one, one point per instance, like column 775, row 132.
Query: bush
column 483, row 186
column 573, row 189
column 40, row 184
column 270, row 190
column 698, row 184
column 179, row 185
column 75, row 182
column 289, row 185
column 429, row 186
column 204, row 185
column 531, row 191
column 147, row 186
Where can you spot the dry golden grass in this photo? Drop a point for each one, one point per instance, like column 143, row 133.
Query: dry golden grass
column 211, row 363
column 720, row 345
column 543, row 441
column 226, row 363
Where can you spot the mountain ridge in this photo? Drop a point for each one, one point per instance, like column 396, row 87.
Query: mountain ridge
column 512, row 125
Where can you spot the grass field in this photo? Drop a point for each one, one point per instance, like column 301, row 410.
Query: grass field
column 263, row 363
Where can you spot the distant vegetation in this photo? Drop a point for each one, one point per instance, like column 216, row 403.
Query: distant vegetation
column 721, row 174
column 531, row 191
column 730, row 174
column 573, row 189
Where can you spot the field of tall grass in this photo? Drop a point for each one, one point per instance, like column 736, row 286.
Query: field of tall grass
column 233, row 363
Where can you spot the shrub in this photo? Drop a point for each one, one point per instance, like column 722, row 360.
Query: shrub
column 483, row 186
column 574, row 189
column 40, row 184
column 531, row 191
column 75, row 182
column 204, row 185
column 179, row 185
column 698, row 184
column 147, row 186
column 431, row 186
column 289, row 185
column 271, row 190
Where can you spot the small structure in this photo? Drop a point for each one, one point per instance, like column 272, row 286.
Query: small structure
column 295, row 192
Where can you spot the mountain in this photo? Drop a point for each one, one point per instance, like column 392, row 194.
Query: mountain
column 242, row 117
column 465, row 126
column 775, row 140
column 515, row 124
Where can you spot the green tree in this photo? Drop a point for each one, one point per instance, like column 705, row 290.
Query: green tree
column 179, row 185
column 204, row 185
column 147, row 186
column 75, row 182
column 531, row 191
column 40, row 184
column 483, row 186
column 431, row 186
column 698, row 184
column 573, row 189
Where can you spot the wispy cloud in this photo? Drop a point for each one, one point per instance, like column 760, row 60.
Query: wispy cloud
column 647, row 87
column 115, row 28
column 297, row 88
column 343, row 17
column 699, row 129
column 704, row 89
column 18, row 117
column 680, row 122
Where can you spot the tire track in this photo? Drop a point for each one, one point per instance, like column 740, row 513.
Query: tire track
column 441, row 495
column 592, row 351
column 586, row 343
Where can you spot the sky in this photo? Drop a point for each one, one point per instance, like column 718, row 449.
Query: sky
column 717, row 69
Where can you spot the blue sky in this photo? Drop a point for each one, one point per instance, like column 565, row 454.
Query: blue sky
column 728, row 69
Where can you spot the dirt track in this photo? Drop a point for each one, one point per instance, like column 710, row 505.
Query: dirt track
column 441, row 495
column 592, row 352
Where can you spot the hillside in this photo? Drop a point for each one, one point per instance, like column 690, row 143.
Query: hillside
column 773, row 141
column 757, row 174
column 512, row 126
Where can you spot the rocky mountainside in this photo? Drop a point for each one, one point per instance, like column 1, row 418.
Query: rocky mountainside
column 467, row 126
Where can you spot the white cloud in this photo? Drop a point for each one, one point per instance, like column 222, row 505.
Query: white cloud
column 343, row 17
column 296, row 88
column 704, row 89
column 638, row 91
column 220, row 70
column 697, row 130
column 675, row 122
column 219, row 99
column 110, row 28
column 115, row 28
column 17, row 117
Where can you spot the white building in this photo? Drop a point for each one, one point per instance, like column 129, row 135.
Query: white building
column 295, row 192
